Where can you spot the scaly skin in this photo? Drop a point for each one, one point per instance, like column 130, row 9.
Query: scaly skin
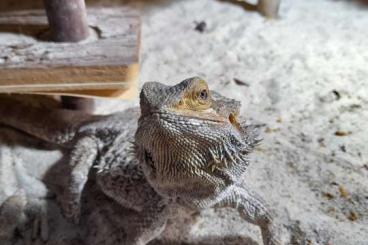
column 188, row 149
column 11, row 214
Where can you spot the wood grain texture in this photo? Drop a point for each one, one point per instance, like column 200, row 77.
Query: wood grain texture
column 107, row 60
column 130, row 92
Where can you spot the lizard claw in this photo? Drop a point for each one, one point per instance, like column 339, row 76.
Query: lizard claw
column 12, row 214
column 270, row 235
column 71, row 212
column 38, row 228
column 29, row 216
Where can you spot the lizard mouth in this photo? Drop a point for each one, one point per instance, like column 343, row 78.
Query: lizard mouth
column 209, row 116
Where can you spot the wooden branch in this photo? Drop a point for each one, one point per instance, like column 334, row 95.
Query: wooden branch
column 269, row 8
column 67, row 20
column 77, row 103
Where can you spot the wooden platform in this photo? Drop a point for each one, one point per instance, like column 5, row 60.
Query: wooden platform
column 107, row 64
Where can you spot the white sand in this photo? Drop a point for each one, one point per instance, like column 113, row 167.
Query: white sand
column 292, row 66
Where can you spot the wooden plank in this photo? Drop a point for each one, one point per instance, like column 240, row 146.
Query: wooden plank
column 129, row 93
column 107, row 60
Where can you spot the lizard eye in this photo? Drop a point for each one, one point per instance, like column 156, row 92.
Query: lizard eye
column 203, row 94
column 197, row 97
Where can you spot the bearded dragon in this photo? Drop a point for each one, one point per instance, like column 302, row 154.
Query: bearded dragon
column 184, row 146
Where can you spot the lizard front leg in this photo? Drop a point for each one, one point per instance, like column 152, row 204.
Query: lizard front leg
column 82, row 158
column 253, row 209
column 109, row 223
column 27, row 215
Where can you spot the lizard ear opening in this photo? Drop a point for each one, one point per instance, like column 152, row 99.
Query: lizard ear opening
column 233, row 121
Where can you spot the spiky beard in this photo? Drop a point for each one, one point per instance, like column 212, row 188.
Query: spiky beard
column 196, row 149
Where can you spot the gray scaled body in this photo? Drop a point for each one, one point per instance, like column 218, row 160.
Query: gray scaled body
column 183, row 147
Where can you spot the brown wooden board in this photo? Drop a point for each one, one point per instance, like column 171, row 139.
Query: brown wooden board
column 128, row 93
column 107, row 61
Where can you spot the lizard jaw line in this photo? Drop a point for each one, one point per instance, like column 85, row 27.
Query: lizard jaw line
column 201, row 118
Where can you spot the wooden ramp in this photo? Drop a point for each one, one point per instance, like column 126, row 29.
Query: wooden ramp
column 105, row 65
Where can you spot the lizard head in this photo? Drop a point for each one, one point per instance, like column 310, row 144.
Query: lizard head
column 188, row 136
